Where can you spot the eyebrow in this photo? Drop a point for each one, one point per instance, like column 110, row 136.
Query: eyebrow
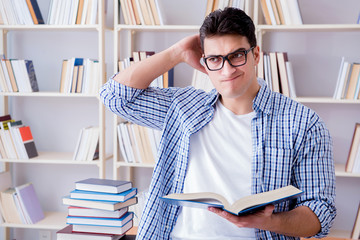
column 237, row 50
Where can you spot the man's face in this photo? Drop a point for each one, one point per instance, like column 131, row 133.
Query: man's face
column 233, row 82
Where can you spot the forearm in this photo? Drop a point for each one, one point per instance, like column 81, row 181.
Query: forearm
column 299, row 222
column 141, row 74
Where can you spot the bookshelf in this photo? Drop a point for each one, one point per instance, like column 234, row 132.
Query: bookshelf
column 55, row 157
column 328, row 36
column 315, row 79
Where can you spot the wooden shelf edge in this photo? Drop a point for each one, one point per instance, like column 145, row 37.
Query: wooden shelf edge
column 340, row 171
column 52, row 221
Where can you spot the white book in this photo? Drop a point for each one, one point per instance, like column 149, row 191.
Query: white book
column 77, row 146
column 3, row 13
column 271, row 12
column 291, row 79
column 338, row 82
column 121, row 144
column 286, row 12
column 294, row 10
column 128, row 148
column 93, row 144
column 342, row 83
column 19, row 145
column 19, row 78
column 93, row 12
column 26, row 13
column 73, row 11
column 84, row 13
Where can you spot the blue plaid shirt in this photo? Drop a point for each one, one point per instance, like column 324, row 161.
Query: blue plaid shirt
column 291, row 145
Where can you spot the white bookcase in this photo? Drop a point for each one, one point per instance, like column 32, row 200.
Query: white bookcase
column 14, row 103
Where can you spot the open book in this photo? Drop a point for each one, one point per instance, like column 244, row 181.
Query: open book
column 242, row 206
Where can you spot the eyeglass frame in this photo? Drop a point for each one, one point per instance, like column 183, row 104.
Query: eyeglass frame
column 227, row 59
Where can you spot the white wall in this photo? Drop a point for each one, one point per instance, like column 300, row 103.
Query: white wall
column 315, row 56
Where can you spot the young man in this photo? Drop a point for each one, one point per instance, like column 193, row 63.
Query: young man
column 236, row 140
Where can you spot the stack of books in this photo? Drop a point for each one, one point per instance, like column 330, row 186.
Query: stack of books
column 348, row 82
column 71, row 12
column 276, row 70
column 24, row 12
column 79, row 75
column 18, row 75
column 98, row 209
column 281, row 12
column 16, row 140
column 138, row 144
column 141, row 12
column 19, row 204
column 163, row 81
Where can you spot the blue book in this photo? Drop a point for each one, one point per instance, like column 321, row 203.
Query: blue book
column 35, row 12
column 103, row 185
column 113, row 222
column 32, row 76
column 98, row 204
column 120, row 197
column 245, row 205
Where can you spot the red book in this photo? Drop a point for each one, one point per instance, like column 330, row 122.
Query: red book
column 28, row 140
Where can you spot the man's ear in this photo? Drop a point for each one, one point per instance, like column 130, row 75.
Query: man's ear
column 256, row 52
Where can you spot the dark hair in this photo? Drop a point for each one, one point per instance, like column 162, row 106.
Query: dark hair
column 228, row 21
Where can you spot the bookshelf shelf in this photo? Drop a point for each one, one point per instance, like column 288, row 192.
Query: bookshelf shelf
column 47, row 94
column 47, row 27
column 310, row 27
column 52, row 221
column 144, row 165
column 340, row 171
column 157, row 28
column 328, row 100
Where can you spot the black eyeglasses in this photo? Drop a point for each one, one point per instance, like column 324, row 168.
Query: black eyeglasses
column 235, row 59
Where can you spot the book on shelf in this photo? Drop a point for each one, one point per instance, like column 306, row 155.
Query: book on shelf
column 276, row 70
column 103, row 185
column 79, row 75
column 113, row 222
column 17, row 141
column 18, row 75
column 81, row 12
column 91, row 212
column 355, row 232
column 353, row 160
column 87, row 146
column 141, row 12
column 35, row 11
column 67, row 233
column 245, row 205
column 137, row 144
column 281, row 12
column 5, row 183
column 348, row 81
column 245, row 5
column 29, row 203
column 16, row 13
column 21, row 205
column 121, row 197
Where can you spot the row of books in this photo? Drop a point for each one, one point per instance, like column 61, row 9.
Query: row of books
column 23, row 12
column 71, row 12
column 276, row 70
column 138, row 144
column 18, row 75
column 281, row 12
column 213, row 5
column 79, row 75
column 16, row 140
column 348, row 82
column 141, row 12
column 353, row 161
column 87, row 147
column 18, row 204
column 99, row 209
column 163, row 81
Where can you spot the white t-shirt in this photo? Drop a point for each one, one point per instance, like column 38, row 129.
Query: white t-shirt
column 219, row 161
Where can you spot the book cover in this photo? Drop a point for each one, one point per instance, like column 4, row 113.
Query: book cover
column 114, row 222
column 103, row 185
column 32, row 76
column 35, row 11
column 67, row 234
column 98, row 204
column 28, row 141
column 245, row 205
column 103, row 229
column 30, row 202
column 91, row 212
column 120, row 197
